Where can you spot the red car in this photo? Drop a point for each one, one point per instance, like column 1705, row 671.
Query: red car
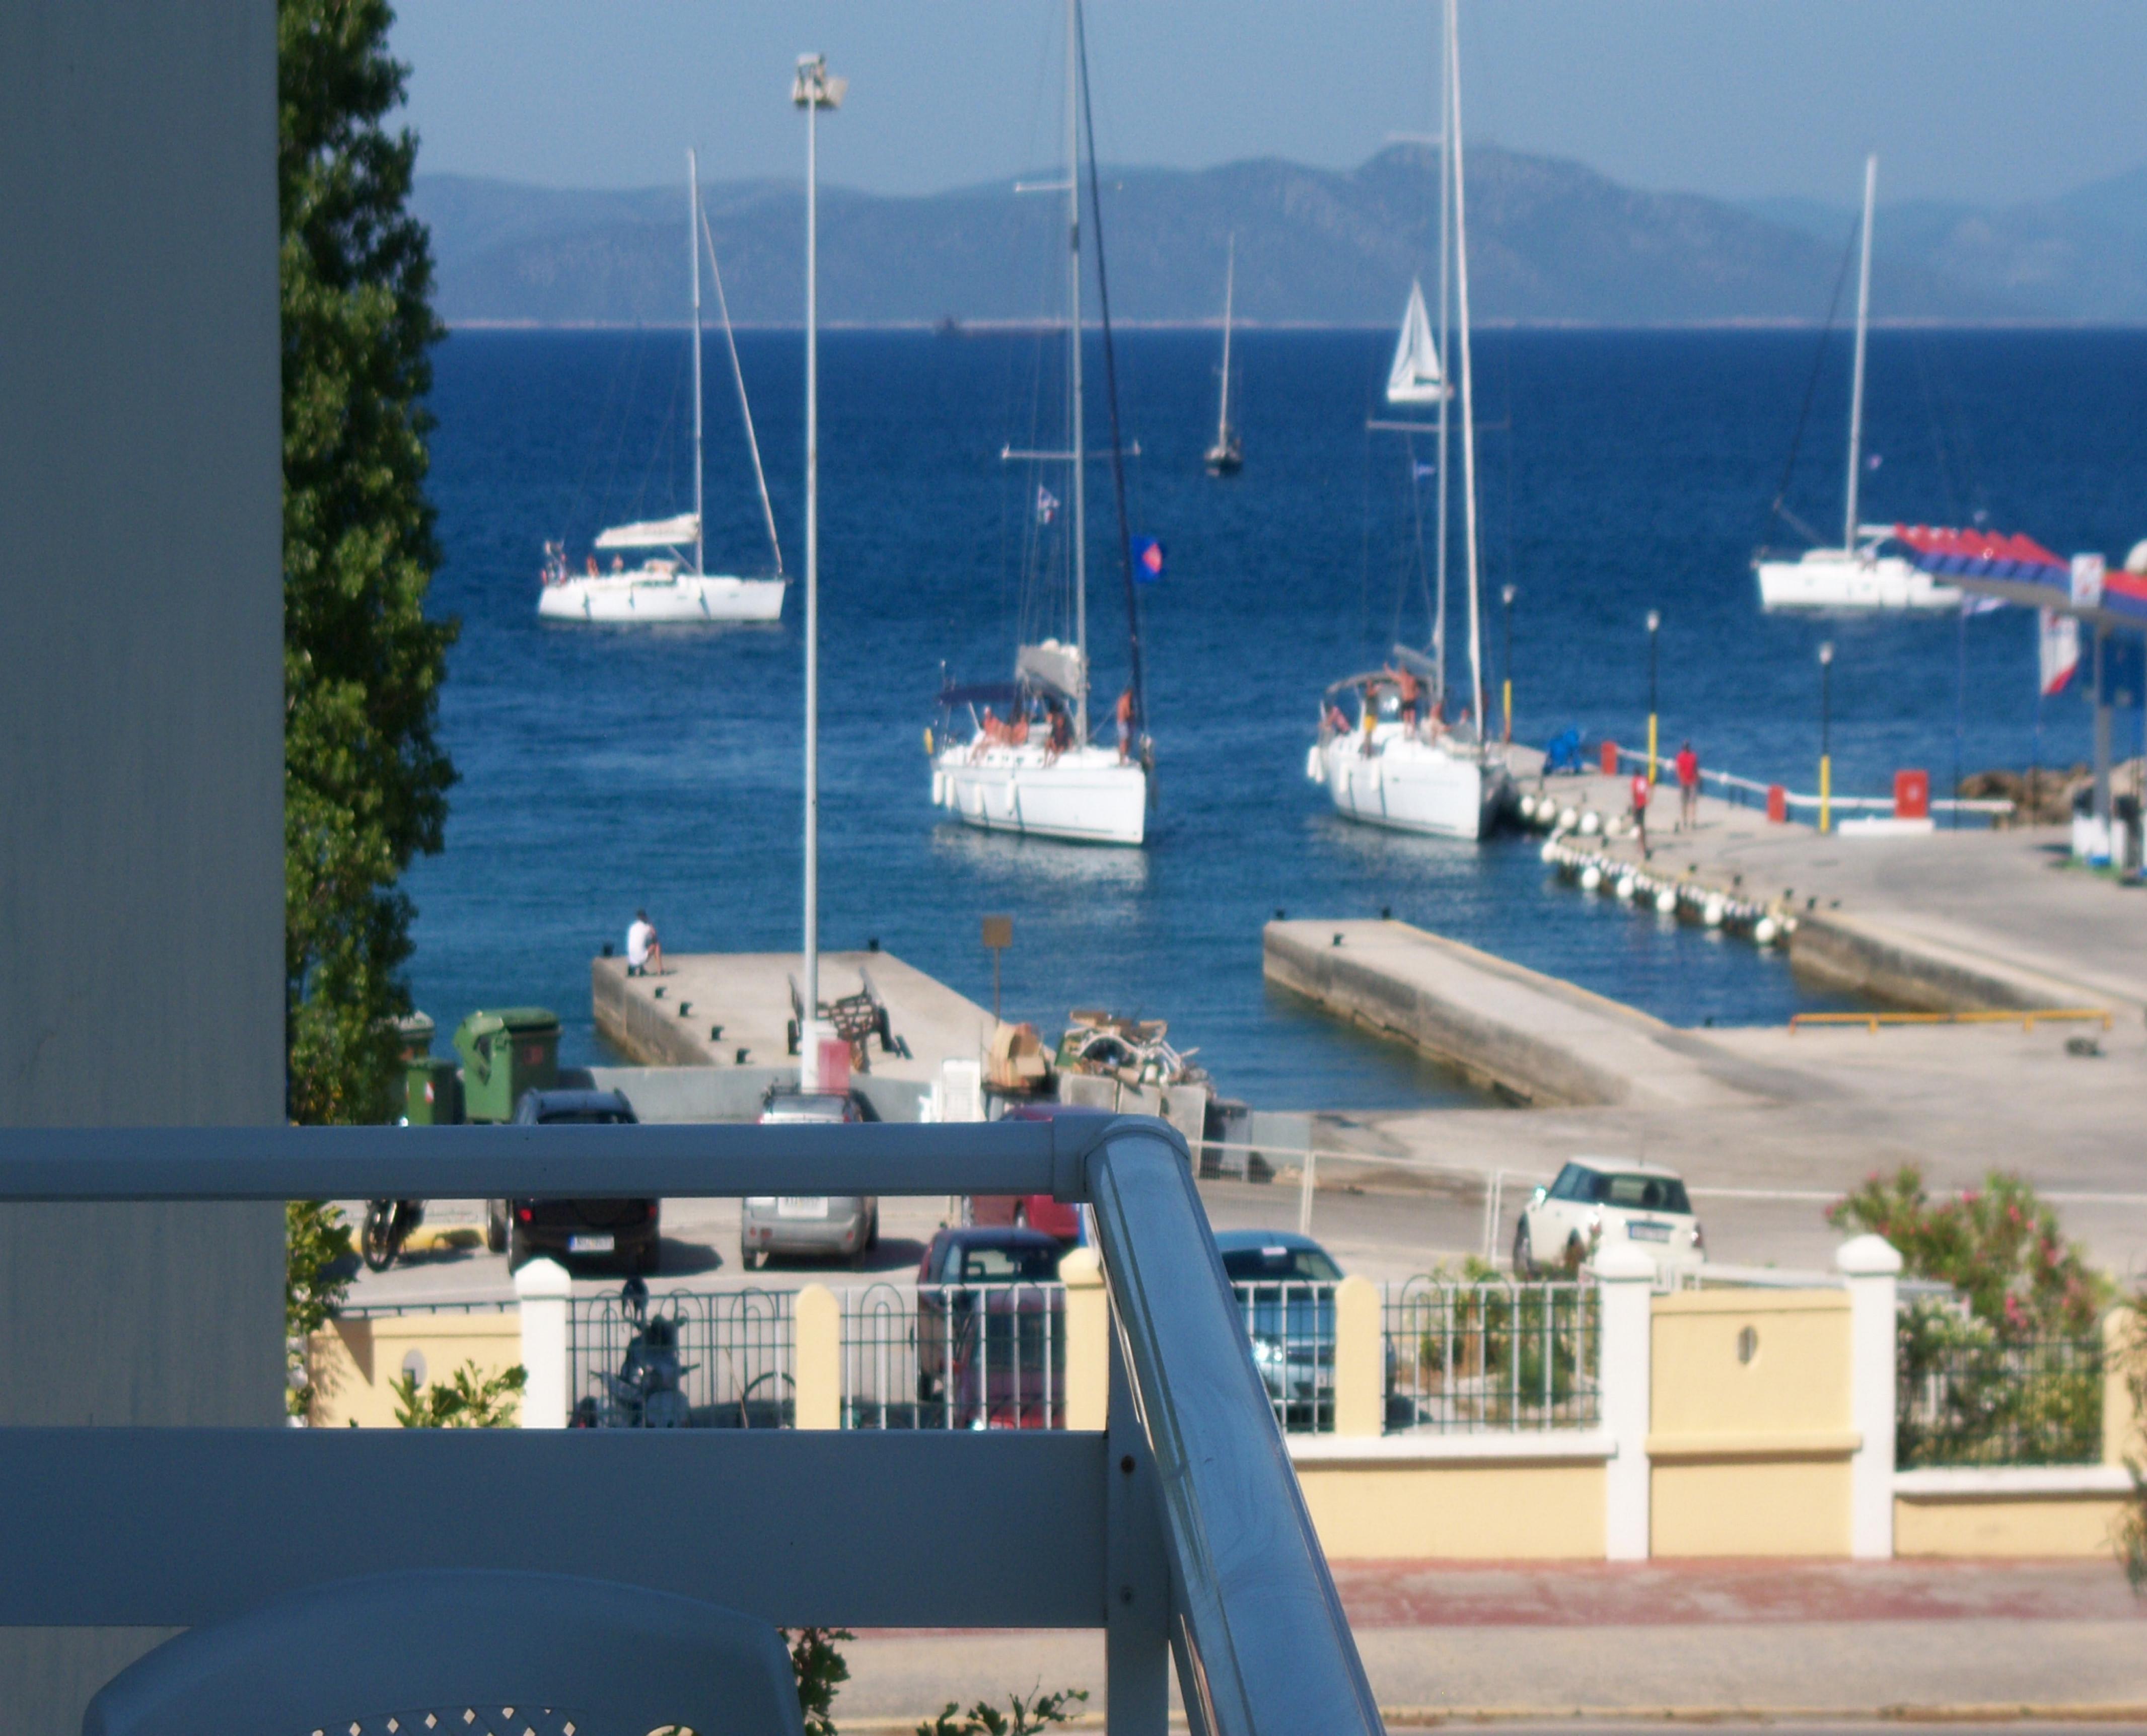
column 1054, row 1218
column 991, row 1331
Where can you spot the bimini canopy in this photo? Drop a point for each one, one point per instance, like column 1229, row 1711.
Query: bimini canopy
column 652, row 533
column 1416, row 378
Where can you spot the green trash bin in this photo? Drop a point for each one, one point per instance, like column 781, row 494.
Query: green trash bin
column 505, row 1053
column 432, row 1092
column 414, row 1032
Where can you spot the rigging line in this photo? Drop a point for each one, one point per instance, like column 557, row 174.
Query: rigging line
column 1423, row 568
column 1938, row 433
column 1811, row 385
column 1111, row 383
column 745, row 409
column 636, row 352
column 589, row 452
column 1364, row 557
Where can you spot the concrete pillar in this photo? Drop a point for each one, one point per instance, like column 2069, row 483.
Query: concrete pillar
column 1873, row 1270
column 817, row 1369
column 545, row 1290
column 1360, row 1380
column 1626, row 1279
column 1088, row 1341
column 2124, row 1337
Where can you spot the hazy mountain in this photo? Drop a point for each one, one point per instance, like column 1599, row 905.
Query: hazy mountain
column 1549, row 242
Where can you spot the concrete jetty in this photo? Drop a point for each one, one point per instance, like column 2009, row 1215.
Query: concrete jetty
column 733, row 1010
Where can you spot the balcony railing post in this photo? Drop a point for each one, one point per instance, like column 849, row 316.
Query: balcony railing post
column 1360, row 1394
column 819, row 1353
column 1626, row 1278
column 1137, row 1572
column 546, row 1292
column 2122, row 1429
column 1872, row 1269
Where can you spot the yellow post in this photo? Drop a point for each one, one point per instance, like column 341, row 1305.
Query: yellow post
column 1360, row 1394
column 1826, row 793
column 1509, row 700
column 1651, row 750
column 1088, row 1341
column 817, row 1369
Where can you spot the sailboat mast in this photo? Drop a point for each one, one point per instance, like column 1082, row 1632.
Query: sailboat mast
column 1856, row 382
column 694, row 269
column 1073, row 427
column 1229, row 291
column 1468, row 402
column 1445, row 348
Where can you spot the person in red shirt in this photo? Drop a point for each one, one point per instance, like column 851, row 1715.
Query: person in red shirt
column 1687, row 776
column 1641, row 791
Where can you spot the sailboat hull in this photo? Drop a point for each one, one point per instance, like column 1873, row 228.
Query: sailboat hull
column 1086, row 795
column 644, row 599
column 1411, row 785
column 1835, row 581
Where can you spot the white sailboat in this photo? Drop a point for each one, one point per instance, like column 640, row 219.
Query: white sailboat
column 1035, row 771
column 1397, row 763
column 1227, row 456
column 1859, row 575
column 670, row 583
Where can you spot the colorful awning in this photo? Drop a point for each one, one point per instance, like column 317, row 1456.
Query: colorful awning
column 1982, row 554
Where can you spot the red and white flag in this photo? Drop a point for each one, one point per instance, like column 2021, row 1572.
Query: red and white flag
column 2061, row 648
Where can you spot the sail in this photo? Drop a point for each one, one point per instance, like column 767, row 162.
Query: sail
column 1416, row 378
column 1053, row 666
column 652, row 533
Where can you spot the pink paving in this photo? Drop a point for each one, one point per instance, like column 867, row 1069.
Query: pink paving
column 1572, row 1594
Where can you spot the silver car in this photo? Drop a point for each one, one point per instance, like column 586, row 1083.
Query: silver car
column 844, row 1226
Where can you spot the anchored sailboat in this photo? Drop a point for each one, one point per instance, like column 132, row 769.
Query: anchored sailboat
column 1227, row 456
column 1029, row 765
column 1385, row 751
column 1857, row 576
column 671, row 585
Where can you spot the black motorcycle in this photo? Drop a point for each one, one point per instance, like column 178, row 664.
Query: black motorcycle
column 389, row 1224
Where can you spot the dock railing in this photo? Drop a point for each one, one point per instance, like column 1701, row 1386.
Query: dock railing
column 1177, row 1528
column 1752, row 793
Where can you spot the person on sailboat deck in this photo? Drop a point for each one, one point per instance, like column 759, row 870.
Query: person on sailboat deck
column 1408, row 684
column 593, row 566
column 1058, row 735
column 1125, row 715
column 644, row 951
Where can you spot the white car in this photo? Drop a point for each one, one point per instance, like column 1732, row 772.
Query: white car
column 1598, row 1198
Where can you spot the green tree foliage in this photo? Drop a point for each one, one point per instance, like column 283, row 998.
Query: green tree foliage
column 318, row 1263
column 2132, row 1525
column 365, row 786
column 821, row 1670
column 1025, row 1718
column 466, row 1398
column 1998, row 1245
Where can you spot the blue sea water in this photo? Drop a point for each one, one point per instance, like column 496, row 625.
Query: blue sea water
column 1621, row 471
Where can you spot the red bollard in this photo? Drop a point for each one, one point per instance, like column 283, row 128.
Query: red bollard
column 1778, row 804
column 1609, row 759
column 1912, row 795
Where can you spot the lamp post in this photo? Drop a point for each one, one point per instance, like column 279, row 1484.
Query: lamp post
column 1506, row 602
column 1655, row 630
column 813, row 90
column 1826, row 735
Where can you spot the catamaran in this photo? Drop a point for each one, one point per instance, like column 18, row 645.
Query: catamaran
column 1227, row 456
column 1859, row 574
column 1029, row 765
column 1385, row 751
column 670, row 583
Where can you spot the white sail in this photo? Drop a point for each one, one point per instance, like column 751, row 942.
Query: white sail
column 1416, row 377
column 652, row 533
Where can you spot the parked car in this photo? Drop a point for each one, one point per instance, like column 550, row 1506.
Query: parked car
column 1284, row 1283
column 991, row 1329
column 1031, row 1211
column 1598, row 1198
column 627, row 1231
column 845, row 1225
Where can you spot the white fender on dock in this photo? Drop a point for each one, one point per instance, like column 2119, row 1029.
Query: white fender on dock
column 1591, row 878
column 1551, row 850
column 1712, row 911
column 1567, row 819
column 1591, row 822
column 1626, row 889
column 1764, row 931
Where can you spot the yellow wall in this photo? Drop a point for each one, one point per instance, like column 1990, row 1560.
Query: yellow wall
column 1750, row 1456
column 2073, row 1525
column 354, row 1363
column 1523, row 1511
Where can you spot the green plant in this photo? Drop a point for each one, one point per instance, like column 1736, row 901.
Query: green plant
column 316, row 1273
column 2132, row 1525
column 468, row 1398
column 1972, row 1394
column 1040, row 1711
column 820, row 1670
column 364, row 785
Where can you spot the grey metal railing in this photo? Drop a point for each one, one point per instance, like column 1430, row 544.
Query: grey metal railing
column 1290, row 1326
column 1178, row 1530
column 1493, row 1354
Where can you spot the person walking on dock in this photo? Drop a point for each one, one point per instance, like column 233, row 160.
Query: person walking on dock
column 1687, row 777
column 1641, row 791
column 644, row 951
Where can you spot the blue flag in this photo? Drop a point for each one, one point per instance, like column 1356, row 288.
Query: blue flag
column 1147, row 559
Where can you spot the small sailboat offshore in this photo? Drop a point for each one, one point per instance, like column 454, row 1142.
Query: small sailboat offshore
column 670, row 583
column 1029, row 765
column 1859, row 575
column 1227, row 456
column 1386, row 752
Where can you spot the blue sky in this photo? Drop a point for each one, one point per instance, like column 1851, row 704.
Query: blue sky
column 1987, row 101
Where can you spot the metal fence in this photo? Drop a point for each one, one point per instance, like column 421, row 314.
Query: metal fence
column 954, row 1356
column 1962, row 1397
column 1493, row 1354
column 1290, row 1326
column 728, row 1354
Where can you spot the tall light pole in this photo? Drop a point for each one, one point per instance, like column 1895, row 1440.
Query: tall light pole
column 1506, row 602
column 1826, row 735
column 1654, row 628
column 813, row 90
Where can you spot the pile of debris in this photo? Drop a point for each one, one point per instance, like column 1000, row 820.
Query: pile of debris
column 1134, row 1052
column 2043, row 797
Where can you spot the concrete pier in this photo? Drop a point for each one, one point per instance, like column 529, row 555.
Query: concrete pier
column 733, row 1010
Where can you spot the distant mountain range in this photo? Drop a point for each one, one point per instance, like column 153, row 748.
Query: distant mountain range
column 1550, row 243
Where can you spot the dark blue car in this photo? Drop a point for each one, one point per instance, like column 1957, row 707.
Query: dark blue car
column 1284, row 1283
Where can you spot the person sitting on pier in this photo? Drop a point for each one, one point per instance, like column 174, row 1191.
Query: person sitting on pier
column 1687, row 777
column 644, row 951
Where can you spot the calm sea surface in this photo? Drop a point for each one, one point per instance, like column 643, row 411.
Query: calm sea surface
column 602, row 770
